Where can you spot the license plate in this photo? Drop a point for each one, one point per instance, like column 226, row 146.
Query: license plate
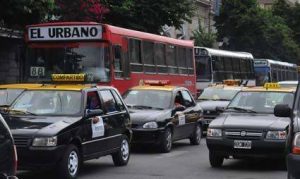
column 242, row 144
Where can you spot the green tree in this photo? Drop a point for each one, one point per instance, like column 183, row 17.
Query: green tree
column 203, row 38
column 250, row 28
column 18, row 13
column 144, row 15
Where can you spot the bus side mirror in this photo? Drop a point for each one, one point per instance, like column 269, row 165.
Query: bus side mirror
column 282, row 110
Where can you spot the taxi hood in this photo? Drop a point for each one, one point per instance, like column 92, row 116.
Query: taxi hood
column 39, row 125
column 211, row 105
column 143, row 116
column 250, row 121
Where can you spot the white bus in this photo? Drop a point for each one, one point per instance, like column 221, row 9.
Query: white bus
column 214, row 65
column 267, row 70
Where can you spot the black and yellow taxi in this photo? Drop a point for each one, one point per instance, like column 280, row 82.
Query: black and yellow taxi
column 162, row 114
column 61, row 125
column 248, row 126
column 217, row 96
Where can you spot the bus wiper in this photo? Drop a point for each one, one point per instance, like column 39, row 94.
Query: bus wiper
column 17, row 111
column 242, row 109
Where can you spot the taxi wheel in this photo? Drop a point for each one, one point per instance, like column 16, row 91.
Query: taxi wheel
column 166, row 143
column 215, row 160
column 195, row 139
column 121, row 157
column 68, row 167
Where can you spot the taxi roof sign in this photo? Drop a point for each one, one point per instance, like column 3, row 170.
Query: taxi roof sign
column 231, row 82
column 271, row 85
column 68, row 77
column 156, row 82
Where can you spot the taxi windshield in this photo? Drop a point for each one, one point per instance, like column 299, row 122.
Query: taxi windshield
column 7, row 96
column 260, row 102
column 217, row 94
column 149, row 99
column 48, row 103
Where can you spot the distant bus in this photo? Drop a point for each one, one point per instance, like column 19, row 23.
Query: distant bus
column 107, row 55
column 267, row 70
column 214, row 65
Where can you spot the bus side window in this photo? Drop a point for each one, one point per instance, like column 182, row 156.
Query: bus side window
column 118, row 66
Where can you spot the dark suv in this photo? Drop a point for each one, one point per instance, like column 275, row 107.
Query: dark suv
column 8, row 155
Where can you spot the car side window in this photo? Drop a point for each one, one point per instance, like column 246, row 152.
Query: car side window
column 93, row 100
column 109, row 103
column 120, row 105
column 188, row 100
column 178, row 99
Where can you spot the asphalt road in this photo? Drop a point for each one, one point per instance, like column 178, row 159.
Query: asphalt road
column 183, row 162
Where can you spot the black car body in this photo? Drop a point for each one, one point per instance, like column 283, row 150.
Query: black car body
column 59, row 126
column 248, row 127
column 8, row 155
column 214, row 98
column 293, row 140
column 157, row 120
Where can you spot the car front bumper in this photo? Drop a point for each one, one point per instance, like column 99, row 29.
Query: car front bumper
column 259, row 148
column 147, row 136
column 39, row 157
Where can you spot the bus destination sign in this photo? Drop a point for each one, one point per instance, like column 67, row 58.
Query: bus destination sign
column 63, row 33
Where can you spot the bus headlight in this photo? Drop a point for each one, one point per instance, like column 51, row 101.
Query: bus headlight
column 44, row 142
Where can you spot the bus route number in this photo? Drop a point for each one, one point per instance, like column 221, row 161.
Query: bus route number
column 37, row 71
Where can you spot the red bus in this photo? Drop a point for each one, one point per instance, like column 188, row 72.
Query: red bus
column 108, row 55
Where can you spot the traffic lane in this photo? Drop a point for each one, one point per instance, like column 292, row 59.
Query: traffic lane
column 184, row 161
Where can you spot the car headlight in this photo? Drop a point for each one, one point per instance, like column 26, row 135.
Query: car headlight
column 44, row 141
column 150, row 125
column 276, row 135
column 214, row 132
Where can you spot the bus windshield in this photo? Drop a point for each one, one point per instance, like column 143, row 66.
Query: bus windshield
column 203, row 66
column 92, row 60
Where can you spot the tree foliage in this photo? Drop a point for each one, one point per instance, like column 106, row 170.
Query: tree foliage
column 203, row 38
column 18, row 13
column 250, row 28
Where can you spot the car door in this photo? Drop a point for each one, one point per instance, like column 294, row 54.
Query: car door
column 96, row 131
column 114, row 116
column 191, row 114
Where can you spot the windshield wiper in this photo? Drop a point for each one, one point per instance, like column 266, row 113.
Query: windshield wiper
column 242, row 109
column 21, row 112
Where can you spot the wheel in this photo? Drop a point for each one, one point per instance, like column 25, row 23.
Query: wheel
column 121, row 157
column 166, row 143
column 195, row 139
column 69, row 166
column 215, row 160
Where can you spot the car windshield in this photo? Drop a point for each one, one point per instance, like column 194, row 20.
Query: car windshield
column 260, row 102
column 7, row 96
column 216, row 94
column 155, row 99
column 48, row 102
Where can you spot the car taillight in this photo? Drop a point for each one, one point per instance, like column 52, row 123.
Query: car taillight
column 296, row 144
column 15, row 159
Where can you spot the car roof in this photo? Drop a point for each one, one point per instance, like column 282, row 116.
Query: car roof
column 155, row 87
column 288, row 82
column 262, row 89
column 226, row 87
column 68, row 87
column 20, row 86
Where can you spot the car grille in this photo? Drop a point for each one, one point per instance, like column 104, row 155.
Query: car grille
column 21, row 141
column 244, row 134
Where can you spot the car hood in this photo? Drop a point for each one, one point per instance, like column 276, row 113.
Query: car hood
column 142, row 116
column 249, row 121
column 211, row 105
column 39, row 125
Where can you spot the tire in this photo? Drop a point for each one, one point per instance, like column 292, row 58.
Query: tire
column 69, row 166
column 215, row 160
column 166, row 143
column 121, row 157
column 195, row 139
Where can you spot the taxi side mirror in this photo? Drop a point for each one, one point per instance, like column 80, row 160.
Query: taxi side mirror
column 282, row 110
column 93, row 112
column 220, row 109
